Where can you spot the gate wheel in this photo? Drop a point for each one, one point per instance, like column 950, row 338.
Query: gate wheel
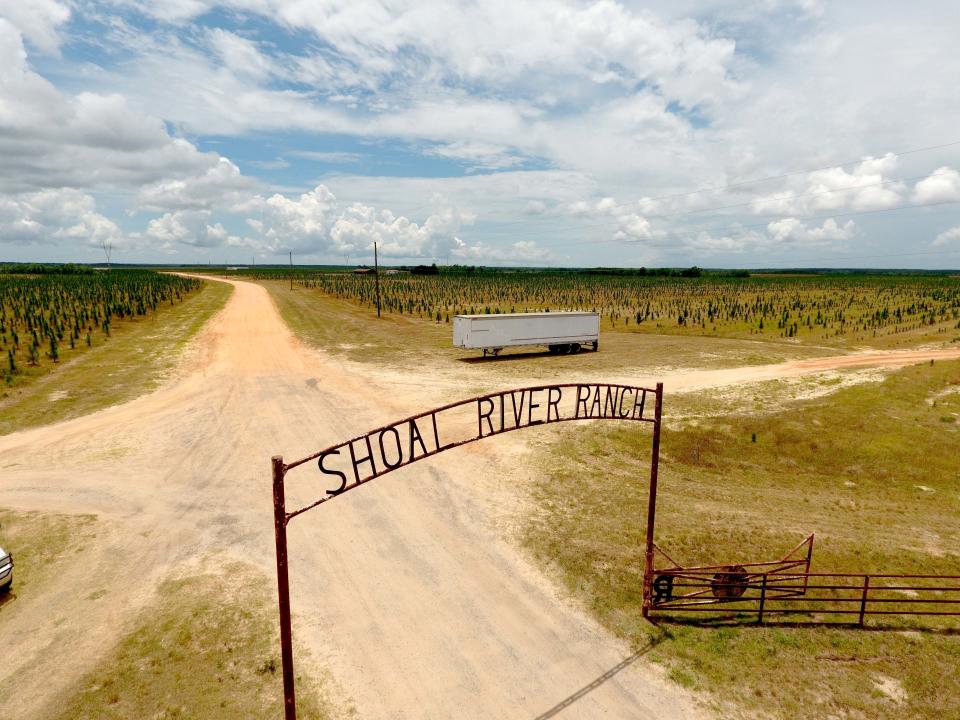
column 730, row 582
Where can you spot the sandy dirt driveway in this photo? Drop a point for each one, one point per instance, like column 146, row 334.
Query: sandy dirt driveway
column 406, row 590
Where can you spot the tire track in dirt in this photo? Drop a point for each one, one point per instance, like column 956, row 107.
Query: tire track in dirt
column 407, row 592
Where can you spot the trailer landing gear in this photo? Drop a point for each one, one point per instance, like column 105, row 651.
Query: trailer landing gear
column 492, row 351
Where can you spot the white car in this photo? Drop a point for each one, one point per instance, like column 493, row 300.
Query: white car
column 6, row 570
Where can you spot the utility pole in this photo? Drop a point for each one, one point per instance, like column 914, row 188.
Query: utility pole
column 291, row 269
column 108, row 251
column 376, row 275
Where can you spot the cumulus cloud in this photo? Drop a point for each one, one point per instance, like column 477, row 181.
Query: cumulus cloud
column 866, row 186
column 794, row 230
column 948, row 236
column 63, row 216
column 943, row 185
column 628, row 225
column 220, row 186
column 49, row 139
column 705, row 242
column 39, row 20
column 316, row 222
column 187, row 227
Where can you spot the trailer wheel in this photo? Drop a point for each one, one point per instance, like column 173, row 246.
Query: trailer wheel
column 574, row 348
column 596, row 345
column 563, row 349
column 552, row 349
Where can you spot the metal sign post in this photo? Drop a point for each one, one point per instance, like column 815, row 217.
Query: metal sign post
column 652, row 505
column 380, row 451
column 283, row 590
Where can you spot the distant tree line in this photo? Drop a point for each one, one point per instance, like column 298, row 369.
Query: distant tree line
column 44, row 269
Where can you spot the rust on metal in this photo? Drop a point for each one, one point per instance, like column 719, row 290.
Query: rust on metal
column 786, row 587
column 387, row 448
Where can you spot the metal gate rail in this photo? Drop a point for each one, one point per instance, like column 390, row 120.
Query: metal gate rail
column 781, row 591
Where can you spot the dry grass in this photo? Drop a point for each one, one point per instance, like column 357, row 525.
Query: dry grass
column 847, row 466
column 39, row 542
column 208, row 649
column 353, row 331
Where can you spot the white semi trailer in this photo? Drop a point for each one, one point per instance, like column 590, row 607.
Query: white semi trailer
column 561, row 332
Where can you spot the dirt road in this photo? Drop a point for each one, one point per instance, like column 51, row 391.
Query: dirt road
column 405, row 590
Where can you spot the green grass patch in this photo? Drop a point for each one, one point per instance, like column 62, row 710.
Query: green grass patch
column 208, row 649
column 871, row 469
column 132, row 361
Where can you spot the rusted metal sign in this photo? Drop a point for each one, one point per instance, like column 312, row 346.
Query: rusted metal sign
column 354, row 462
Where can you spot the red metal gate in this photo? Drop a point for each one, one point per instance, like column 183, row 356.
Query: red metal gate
column 786, row 588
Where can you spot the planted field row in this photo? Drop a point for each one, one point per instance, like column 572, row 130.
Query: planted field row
column 819, row 306
column 44, row 316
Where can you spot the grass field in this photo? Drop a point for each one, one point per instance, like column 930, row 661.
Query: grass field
column 38, row 542
column 50, row 314
column 208, row 649
column 746, row 474
column 834, row 308
column 353, row 331
column 871, row 469
column 132, row 361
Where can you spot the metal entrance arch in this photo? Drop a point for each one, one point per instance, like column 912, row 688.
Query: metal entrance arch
column 363, row 458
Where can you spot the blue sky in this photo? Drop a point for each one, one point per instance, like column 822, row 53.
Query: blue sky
column 719, row 133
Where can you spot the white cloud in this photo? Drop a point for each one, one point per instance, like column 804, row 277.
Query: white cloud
column 943, row 185
column 193, row 228
column 360, row 225
column 39, row 20
column 221, row 186
column 948, row 236
column 64, row 216
column 794, row 230
column 866, row 186
column 317, row 223
column 521, row 251
column 240, row 55
column 633, row 227
column 48, row 139
column 614, row 100
column 705, row 242
column 518, row 43
column 302, row 224
column 477, row 155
